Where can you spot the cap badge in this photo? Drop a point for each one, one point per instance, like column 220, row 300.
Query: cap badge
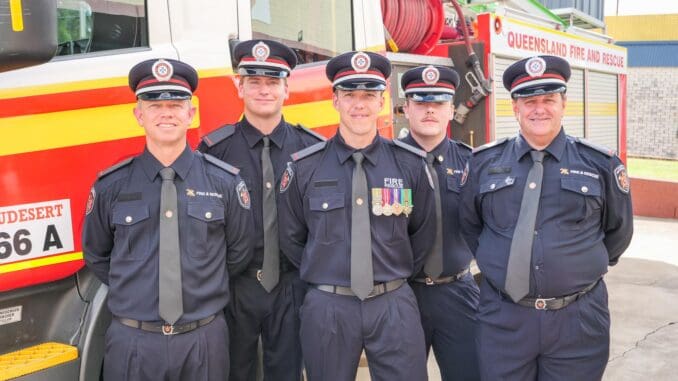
column 535, row 66
column 430, row 75
column 360, row 62
column 162, row 70
column 261, row 51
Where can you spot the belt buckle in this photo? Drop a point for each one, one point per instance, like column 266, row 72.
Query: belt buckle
column 168, row 329
column 540, row 303
column 260, row 275
column 429, row 281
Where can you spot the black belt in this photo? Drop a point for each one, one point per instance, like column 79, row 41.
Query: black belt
column 166, row 328
column 553, row 303
column 380, row 288
column 442, row 280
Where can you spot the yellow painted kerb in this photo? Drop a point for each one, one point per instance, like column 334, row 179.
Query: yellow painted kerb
column 17, row 14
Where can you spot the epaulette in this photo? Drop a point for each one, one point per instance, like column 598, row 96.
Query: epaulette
column 310, row 132
column 463, row 145
column 490, row 145
column 218, row 135
column 225, row 166
column 308, row 151
column 604, row 150
column 407, row 147
column 115, row 167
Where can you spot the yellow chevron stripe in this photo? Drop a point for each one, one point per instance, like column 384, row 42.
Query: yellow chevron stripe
column 92, row 84
column 17, row 14
column 504, row 108
column 29, row 133
column 40, row 262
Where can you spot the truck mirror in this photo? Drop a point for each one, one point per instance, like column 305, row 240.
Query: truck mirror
column 28, row 33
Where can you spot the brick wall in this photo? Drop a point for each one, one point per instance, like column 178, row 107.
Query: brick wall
column 652, row 109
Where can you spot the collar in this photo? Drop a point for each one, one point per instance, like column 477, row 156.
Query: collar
column 440, row 150
column 254, row 136
column 344, row 152
column 555, row 149
column 181, row 165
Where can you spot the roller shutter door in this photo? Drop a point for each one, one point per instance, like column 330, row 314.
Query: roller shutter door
column 603, row 127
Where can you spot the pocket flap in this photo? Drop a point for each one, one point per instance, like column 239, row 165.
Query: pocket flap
column 206, row 211
column 130, row 215
column 493, row 185
column 583, row 186
column 326, row 203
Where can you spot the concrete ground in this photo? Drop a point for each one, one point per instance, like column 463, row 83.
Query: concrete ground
column 643, row 290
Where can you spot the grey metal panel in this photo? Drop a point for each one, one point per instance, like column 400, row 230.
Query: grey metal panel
column 505, row 123
column 603, row 111
column 594, row 8
column 574, row 109
column 651, row 53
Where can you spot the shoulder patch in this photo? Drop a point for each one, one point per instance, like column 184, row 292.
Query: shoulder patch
column 115, row 167
column 604, row 150
column 490, row 145
column 463, row 145
column 308, row 151
column 407, row 147
column 286, row 178
column 218, row 135
column 310, row 132
column 225, row 166
column 622, row 178
column 243, row 195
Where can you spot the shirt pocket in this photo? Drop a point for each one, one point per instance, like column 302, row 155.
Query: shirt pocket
column 453, row 184
column 328, row 215
column 580, row 203
column 132, row 231
column 205, row 222
column 500, row 202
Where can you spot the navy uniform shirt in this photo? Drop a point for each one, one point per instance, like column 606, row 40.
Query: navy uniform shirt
column 121, row 234
column 584, row 221
column 454, row 155
column 315, row 211
column 241, row 146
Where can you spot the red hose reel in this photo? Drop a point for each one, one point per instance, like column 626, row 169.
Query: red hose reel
column 414, row 25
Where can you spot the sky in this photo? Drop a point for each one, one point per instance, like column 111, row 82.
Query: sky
column 640, row 7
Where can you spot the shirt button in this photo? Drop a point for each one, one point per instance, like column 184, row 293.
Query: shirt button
column 536, row 267
column 492, row 186
column 268, row 185
column 585, row 189
column 359, row 201
column 532, row 185
column 128, row 219
column 168, row 214
column 440, row 158
column 208, row 215
column 325, row 205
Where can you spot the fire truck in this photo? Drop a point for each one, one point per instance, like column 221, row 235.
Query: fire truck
column 66, row 114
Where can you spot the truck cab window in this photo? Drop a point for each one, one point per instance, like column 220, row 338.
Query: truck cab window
column 316, row 29
column 87, row 26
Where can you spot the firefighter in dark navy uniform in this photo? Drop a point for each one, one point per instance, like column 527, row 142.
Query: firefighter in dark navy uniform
column 546, row 214
column 164, row 230
column 445, row 289
column 267, row 296
column 354, row 216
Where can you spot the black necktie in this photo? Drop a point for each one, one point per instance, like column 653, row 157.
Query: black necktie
column 518, row 268
column 170, row 304
column 271, row 266
column 434, row 262
column 362, row 278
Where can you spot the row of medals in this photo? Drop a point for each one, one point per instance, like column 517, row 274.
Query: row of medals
column 380, row 208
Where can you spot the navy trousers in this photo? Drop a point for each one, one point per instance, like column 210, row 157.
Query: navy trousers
column 523, row 344
column 448, row 316
column 253, row 312
column 335, row 329
column 133, row 354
